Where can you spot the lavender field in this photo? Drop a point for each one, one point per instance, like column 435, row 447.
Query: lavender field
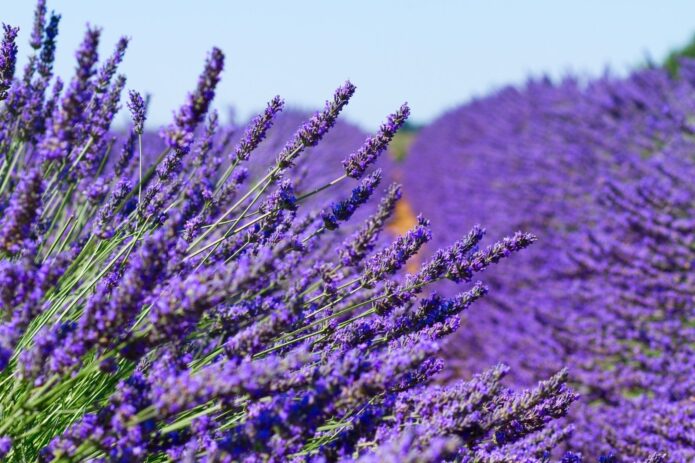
column 512, row 282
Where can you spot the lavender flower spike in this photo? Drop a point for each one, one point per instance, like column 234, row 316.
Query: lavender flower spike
column 136, row 105
column 362, row 242
column 67, row 119
column 8, row 59
column 257, row 129
column 21, row 213
column 393, row 257
column 179, row 136
column 356, row 163
column 39, row 23
column 315, row 128
column 48, row 48
column 341, row 211
column 108, row 69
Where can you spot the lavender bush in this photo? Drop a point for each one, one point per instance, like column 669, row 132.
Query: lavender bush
column 632, row 344
column 602, row 172
column 188, row 305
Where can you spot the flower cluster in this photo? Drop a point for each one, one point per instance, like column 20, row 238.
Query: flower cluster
column 208, row 298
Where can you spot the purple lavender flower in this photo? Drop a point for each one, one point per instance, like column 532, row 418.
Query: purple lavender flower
column 343, row 210
column 126, row 155
column 39, row 23
column 393, row 257
column 257, row 129
column 109, row 68
column 48, row 47
column 179, row 135
column 22, row 212
column 104, row 227
column 5, row 446
column 356, row 164
column 8, row 58
column 362, row 242
column 462, row 269
column 99, row 123
column 136, row 106
column 315, row 128
column 67, row 118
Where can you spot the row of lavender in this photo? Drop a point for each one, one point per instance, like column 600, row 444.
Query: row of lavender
column 603, row 172
column 209, row 297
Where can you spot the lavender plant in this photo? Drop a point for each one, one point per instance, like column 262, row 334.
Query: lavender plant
column 185, row 306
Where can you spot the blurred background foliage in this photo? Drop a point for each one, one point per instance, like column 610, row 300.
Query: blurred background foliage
column 686, row 51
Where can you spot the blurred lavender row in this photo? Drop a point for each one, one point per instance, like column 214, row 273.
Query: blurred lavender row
column 602, row 172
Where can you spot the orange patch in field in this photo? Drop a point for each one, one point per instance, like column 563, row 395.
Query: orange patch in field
column 403, row 220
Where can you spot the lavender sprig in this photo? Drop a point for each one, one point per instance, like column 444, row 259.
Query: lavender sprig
column 179, row 135
column 357, row 162
column 136, row 106
column 39, row 23
column 8, row 58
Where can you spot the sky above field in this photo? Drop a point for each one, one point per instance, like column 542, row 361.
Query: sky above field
column 434, row 54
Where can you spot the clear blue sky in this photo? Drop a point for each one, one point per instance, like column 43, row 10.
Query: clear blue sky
column 434, row 54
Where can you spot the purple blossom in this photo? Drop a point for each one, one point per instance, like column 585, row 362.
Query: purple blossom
column 356, row 164
column 5, row 446
column 39, row 23
column 8, row 58
column 66, row 120
column 343, row 210
column 48, row 47
column 136, row 106
column 257, row 129
column 315, row 128
column 393, row 257
column 179, row 135
column 22, row 212
column 110, row 66
column 362, row 242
